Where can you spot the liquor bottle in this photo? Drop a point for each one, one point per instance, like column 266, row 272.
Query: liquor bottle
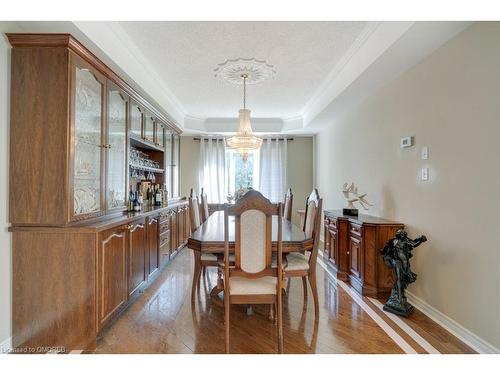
column 131, row 199
column 165, row 196
column 151, row 196
column 137, row 204
column 158, row 195
column 140, row 200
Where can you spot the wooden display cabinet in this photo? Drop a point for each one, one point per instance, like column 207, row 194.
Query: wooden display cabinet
column 78, row 258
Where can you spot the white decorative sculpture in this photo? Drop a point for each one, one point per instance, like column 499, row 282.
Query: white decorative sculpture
column 351, row 195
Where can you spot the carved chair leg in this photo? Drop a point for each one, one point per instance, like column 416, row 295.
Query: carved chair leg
column 312, row 282
column 304, row 286
column 280, row 322
column 226, row 321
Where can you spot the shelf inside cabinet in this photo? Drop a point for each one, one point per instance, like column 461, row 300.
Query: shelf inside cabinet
column 147, row 169
column 142, row 143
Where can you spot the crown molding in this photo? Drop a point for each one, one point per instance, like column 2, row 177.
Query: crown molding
column 112, row 39
column 375, row 39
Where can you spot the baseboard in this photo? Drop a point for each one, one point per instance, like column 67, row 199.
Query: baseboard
column 6, row 345
column 456, row 329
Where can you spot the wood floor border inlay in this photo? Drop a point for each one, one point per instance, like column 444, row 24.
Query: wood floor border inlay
column 407, row 348
column 407, row 329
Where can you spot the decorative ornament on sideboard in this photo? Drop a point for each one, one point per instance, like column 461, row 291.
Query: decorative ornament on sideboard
column 396, row 254
column 352, row 195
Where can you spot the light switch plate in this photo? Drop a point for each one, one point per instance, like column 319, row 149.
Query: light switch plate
column 425, row 174
column 425, row 153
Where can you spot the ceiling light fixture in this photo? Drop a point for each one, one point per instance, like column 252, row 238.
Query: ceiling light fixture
column 244, row 141
column 244, row 71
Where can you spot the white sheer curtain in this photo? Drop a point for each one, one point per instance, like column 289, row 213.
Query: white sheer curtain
column 272, row 176
column 212, row 170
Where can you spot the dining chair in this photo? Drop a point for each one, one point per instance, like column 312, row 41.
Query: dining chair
column 287, row 205
column 204, row 206
column 304, row 265
column 252, row 279
column 207, row 259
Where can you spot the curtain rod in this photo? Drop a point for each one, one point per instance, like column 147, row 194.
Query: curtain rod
column 198, row 139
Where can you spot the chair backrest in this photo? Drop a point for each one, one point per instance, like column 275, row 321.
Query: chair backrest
column 194, row 211
column 287, row 205
column 312, row 221
column 204, row 206
column 253, row 230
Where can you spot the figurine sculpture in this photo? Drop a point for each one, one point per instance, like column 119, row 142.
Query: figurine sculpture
column 351, row 195
column 396, row 254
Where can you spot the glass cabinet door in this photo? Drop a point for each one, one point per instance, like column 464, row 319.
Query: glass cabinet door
column 116, row 151
column 136, row 117
column 149, row 131
column 175, row 165
column 88, row 113
column 168, row 160
column 160, row 134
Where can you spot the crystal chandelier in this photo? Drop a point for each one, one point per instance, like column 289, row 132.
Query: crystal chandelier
column 244, row 141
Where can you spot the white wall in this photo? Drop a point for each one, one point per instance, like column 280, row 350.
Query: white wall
column 5, row 237
column 299, row 169
column 450, row 102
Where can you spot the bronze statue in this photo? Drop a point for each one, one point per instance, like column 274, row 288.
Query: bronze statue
column 397, row 253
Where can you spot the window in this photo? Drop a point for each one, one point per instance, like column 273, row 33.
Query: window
column 241, row 174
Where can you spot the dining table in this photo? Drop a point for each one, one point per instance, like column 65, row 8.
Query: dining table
column 209, row 238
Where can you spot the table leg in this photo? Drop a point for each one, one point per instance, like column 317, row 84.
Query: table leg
column 196, row 274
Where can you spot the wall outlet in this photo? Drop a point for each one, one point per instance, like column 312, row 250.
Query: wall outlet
column 406, row 142
column 425, row 174
column 425, row 153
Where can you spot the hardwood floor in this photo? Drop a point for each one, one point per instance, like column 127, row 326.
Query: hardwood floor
column 162, row 321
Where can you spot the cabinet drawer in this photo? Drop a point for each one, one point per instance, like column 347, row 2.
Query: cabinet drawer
column 355, row 229
column 164, row 226
column 164, row 238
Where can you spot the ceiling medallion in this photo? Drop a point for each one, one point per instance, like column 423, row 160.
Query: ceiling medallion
column 256, row 71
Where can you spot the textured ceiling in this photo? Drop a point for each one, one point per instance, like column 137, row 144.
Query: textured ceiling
column 184, row 55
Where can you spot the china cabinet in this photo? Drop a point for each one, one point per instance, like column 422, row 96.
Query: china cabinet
column 79, row 258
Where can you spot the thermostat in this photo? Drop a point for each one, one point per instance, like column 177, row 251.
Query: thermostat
column 406, row 142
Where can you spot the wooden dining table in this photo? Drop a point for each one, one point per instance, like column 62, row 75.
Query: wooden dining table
column 209, row 238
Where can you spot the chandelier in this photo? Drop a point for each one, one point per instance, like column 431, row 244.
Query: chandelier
column 244, row 141
column 244, row 71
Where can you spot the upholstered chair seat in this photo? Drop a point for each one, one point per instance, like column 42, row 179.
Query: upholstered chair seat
column 297, row 261
column 246, row 286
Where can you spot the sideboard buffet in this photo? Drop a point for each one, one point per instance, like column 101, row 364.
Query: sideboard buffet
column 352, row 247
column 79, row 257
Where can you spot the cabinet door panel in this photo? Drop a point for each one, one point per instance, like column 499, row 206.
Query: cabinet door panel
column 153, row 244
column 88, row 124
column 333, row 247
column 137, row 257
column 112, row 280
column 136, row 119
column 116, row 151
column 355, row 256
column 149, row 127
column 160, row 134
